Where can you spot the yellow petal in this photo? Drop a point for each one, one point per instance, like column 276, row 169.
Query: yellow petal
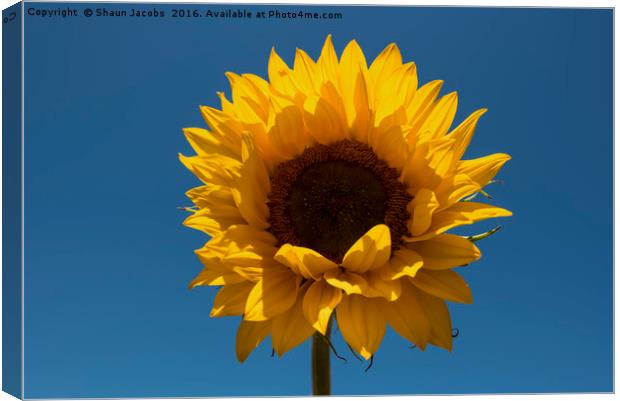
column 330, row 93
column 445, row 251
column 459, row 214
column 440, row 118
column 224, row 127
column 214, row 219
column 325, row 124
column 287, row 132
column 207, row 195
column 464, row 132
column 290, row 329
column 369, row 252
column 388, row 61
column 273, row 295
column 354, row 90
column 439, row 318
column 378, row 286
column 252, row 187
column 237, row 239
column 318, row 304
column 249, row 336
column 445, row 284
column 245, row 259
column 304, row 261
column 420, row 107
column 206, row 143
column 429, row 164
column 351, row 62
column 328, row 62
column 360, row 110
column 227, row 106
column 230, row 299
column 390, row 146
column 404, row 262
column 362, row 323
column 455, row 188
column 305, row 72
column 483, row 169
column 393, row 93
column 280, row 75
column 408, row 318
column 350, row 283
column 216, row 273
column 260, row 87
column 250, row 102
column 216, row 169
column 423, row 206
column 217, row 209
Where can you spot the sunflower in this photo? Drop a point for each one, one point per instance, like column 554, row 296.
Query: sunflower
column 328, row 191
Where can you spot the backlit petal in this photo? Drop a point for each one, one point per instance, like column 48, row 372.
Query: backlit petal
column 461, row 213
column 421, row 209
column 350, row 283
column 304, row 261
column 404, row 262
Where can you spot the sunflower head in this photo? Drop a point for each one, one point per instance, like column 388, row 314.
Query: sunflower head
column 328, row 191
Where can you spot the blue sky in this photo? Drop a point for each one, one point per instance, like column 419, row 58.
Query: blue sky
column 108, row 313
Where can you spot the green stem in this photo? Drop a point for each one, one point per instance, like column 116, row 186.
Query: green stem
column 321, row 382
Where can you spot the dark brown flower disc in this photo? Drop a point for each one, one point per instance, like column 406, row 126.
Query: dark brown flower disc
column 330, row 195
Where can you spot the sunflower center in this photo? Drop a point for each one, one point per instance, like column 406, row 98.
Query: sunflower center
column 330, row 195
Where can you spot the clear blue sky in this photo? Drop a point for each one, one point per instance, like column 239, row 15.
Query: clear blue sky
column 108, row 261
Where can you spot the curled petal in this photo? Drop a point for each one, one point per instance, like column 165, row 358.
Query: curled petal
column 421, row 209
column 404, row 263
column 304, row 261
column 369, row 252
column 459, row 214
column 380, row 287
column 350, row 283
